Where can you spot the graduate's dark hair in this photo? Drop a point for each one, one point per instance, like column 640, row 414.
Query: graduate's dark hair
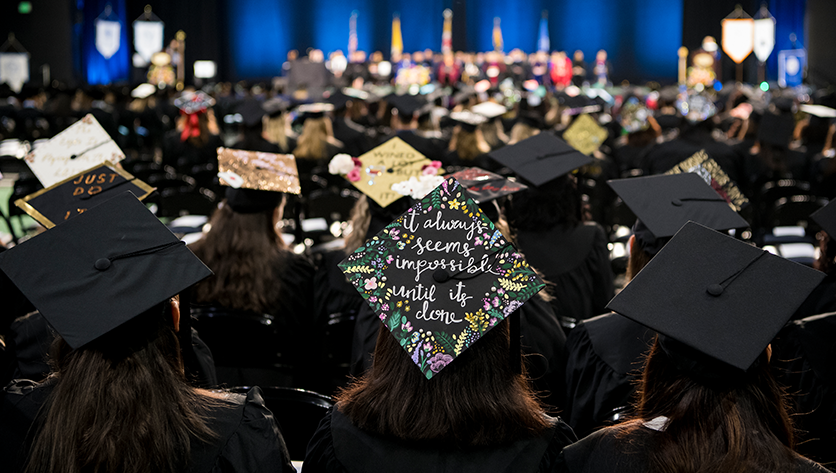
column 476, row 400
column 245, row 252
column 121, row 403
column 826, row 261
column 734, row 425
column 541, row 208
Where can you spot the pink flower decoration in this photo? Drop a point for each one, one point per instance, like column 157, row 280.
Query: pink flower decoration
column 371, row 283
column 382, row 316
column 427, row 346
column 431, row 169
column 384, row 307
column 373, row 299
column 353, row 175
column 357, row 162
column 407, row 326
column 389, row 259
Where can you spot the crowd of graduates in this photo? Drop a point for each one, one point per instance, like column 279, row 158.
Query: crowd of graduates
column 292, row 319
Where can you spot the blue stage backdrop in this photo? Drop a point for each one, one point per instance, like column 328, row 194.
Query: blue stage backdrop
column 641, row 36
column 97, row 69
column 789, row 18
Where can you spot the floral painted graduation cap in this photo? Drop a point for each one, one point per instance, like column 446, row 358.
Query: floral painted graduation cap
column 585, row 135
column 375, row 172
column 78, row 148
column 711, row 172
column 77, row 194
column 440, row 276
column 485, row 186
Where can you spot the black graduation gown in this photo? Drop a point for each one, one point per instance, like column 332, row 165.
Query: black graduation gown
column 248, row 439
column 340, row 447
column 821, row 300
column 802, row 358
column 353, row 136
column 431, row 148
column 604, row 452
column 662, row 157
column 604, row 359
column 257, row 144
column 576, row 261
column 182, row 155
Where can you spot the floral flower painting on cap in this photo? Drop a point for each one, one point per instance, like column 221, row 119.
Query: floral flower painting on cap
column 440, row 276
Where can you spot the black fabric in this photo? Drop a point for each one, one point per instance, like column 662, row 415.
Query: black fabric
column 604, row 360
column 820, row 301
column 248, row 440
column 665, row 156
column 256, row 143
column 575, row 261
column 604, row 452
column 431, row 148
column 182, row 155
column 332, row 292
column 338, row 446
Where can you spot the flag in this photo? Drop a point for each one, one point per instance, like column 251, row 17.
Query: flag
column 352, row 34
column 543, row 41
column 497, row 35
column 447, row 32
column 108, row 37
column 397, row 39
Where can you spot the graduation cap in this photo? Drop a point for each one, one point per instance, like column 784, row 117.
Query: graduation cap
column 275, row 106
column 585, row 134
column 315, row 110
column 818, row 110
column 193, row 102
column 720, row 298
column 339, row 100
column 102, row 269
column 825, row 217
column 664, row 203
column 696, row 108
column 541, row 158
column 489, row 110
column 633, row 116
column 776, row 129
column 485, row 186
column 81, row 146
column 251, row 112
column 79, row 193
column 255, row 179
column 143, row 91
column 406, row 105
column 440, row 276
column 468, row 120
column 701, row 164
column 375, row 172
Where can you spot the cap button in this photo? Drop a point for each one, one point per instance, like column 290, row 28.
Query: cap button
column 102, row 264
column 677, row 202
column 441, row 276
column 714, row 289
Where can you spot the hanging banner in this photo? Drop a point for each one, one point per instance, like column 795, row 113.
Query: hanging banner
column 738, row 38
column 14, row 70
column 148, row 38
column 108, row 37
column 791, row 66
column 447, row 32
column 764, row 38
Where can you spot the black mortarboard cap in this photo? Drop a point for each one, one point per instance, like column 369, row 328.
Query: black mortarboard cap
column 776, row 129
column 339, row 100
column 406, row 104
column 102, row 269
column 716, row 295
column 541, row 158
column 666, row 202
column 251, row 112
column 76, row 194
column 441, row 276
column 825, row 217
column 275, row 106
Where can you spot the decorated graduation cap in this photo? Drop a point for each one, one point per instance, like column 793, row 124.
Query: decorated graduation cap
column 711, row 172
column 77, row 194
column 541, row 158
column 485, row 186
column 81, row 146
column 256, row 180
column 717, row 302
column 191, row 103
column 102, row 269
column 825, row 217
column 468, row 120
column 664, row 203
column 633, row 116
column 375, row 172
column 489, row 110
column 315, row 110
column 440, row 276
column 776, row 129
column 585, row 134
column 275, row 106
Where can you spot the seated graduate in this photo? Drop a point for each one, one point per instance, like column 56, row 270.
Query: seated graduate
column 407, row 114
column 447, row 391
column 708, row 398
column 823, row 298
column 276, row 126
column 196, row 137
column 547, row 223
column 117, row 399
column 467, row 146
column 604, row 353
column 254, row 269
column 252, row 128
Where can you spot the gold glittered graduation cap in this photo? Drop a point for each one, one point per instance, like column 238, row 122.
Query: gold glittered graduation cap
column 102, row 269
column 374, row 173
column 441, row 276
column 256, row 170
column 723, row 299
column 585, row 135
column 81, row 146
column 711, row 172
column 77, row 194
